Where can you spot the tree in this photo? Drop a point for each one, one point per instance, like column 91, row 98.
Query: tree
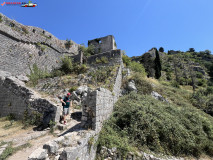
column 208, row 52
column 191, row 50
column 158, row 67
column 161, row 49
column 148, row 62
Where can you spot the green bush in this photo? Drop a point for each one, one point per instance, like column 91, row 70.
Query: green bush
column 68, row 44
column 126, row 60
column 102, row 60
column 88, row 51
column 36, row 74
column 163, row 128
column 73, row 88
column 142, row 85
column 203, row 99
column 31, row 118
column 66, row 65
column 175, row 84
column 78, row 69
column 201, row 82
column 7, row 152
column 137, row 67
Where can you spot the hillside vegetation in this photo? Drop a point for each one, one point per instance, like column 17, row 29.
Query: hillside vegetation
column 182, row 126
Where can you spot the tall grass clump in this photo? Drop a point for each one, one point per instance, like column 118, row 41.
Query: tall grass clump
column 161, row 127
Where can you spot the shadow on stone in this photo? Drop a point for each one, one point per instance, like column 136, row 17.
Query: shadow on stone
column 77, row 127
column 76, row 116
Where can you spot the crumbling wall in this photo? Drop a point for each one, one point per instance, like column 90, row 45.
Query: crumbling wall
column 15, row 98
column 113, row 57
column 103, row 44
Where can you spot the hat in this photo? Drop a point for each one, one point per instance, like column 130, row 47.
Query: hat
column 68, row 94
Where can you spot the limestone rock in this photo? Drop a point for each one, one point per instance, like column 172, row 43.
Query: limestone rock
column 158, row 96
column 22, row 78
column 51, row 147
column 38, row 154
column 131, row 86
column 69, row 153
column 81, row 89
column 3, row 75
column 75, row 96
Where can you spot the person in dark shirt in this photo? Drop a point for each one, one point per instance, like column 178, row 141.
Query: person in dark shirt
column 66, row 103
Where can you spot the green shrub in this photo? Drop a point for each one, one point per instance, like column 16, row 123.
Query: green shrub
column 203, row 99
column 36, row 74
column 56, row 73
column 142, row 85
column 126, row 60
column 78, row 69
column 73, row 88
column 52, row 124
column 168, row 76
column 68, row 44
column 66, row 65
column 11, row 116
column 31, row 118
column 88, row 51
column 137, row 67
column 201, row 82
column 7, row 152
column 112, row 136
column 102, row 60
column 175, row 84
column 163, row 128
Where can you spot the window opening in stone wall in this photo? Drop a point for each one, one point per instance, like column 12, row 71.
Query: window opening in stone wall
column 43, row 32
column 34, row 30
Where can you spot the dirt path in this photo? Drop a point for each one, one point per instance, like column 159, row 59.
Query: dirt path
column 36, row 143
column 35, row 139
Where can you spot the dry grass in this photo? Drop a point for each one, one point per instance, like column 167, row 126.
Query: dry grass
column 8, row 131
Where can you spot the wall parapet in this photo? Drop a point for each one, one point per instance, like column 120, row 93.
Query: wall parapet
column 33, row 35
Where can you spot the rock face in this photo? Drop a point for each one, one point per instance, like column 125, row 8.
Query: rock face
column 22, row 46
column 16, row 98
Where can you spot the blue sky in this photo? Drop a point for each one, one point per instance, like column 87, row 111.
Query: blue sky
column 138, row 25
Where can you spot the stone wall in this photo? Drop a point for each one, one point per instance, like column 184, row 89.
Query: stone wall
column 113, row 57
column 15, row 98
column 22, row 46
column 103, row 44
column 98, row 105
